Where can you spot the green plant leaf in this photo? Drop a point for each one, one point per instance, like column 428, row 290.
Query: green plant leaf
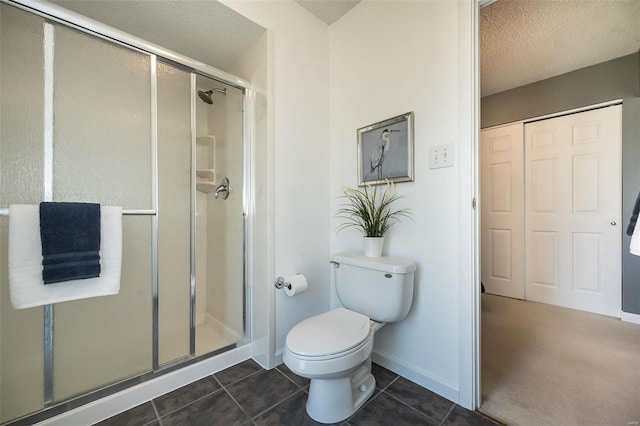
column 369, row 211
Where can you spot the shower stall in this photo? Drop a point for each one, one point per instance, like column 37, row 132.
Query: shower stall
column 86, row 118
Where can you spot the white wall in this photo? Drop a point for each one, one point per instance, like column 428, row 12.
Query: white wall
column 388, row 58
column 300, row 66
column 382, row 59
column 253, row 65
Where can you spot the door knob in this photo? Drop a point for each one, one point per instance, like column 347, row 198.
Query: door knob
column 613, row 223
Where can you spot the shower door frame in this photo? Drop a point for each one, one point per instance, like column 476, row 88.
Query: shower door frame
column 55, row 13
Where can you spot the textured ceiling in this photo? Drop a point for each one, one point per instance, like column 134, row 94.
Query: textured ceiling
column 328, row 11
column 206, row 31
column 524, row 41
column 521, row 41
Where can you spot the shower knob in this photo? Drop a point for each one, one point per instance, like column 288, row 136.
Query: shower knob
column 223, row 189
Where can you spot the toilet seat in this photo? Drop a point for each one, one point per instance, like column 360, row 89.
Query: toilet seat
column 333, row 334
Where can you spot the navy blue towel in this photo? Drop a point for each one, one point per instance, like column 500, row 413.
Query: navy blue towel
column 70, row 234
column 634, row 217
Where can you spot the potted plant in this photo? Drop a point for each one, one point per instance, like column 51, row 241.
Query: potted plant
column 372, row 213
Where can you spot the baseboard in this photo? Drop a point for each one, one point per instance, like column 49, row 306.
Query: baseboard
column 409, row 372
column 417, row 375
column 114, row 404
column 279, row 356
column 629, row 317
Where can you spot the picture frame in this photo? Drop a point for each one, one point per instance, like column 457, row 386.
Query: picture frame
column 385, row 151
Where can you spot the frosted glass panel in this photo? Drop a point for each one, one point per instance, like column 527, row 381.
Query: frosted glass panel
column 174, row 220
column 106, row 339
column 21, row 122
column 21, row 154
column 102, row 136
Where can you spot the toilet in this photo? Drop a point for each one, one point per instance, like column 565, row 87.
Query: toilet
column 334, row 349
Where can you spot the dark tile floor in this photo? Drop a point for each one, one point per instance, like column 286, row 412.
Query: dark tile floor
column 246, row 394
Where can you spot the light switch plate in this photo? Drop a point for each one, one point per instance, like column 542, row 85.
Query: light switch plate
column 441, row 156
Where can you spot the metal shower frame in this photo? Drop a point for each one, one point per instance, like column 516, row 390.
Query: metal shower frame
column 55, row 13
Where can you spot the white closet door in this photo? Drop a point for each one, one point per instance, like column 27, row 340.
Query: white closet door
column 502, row 211
column 573, row 211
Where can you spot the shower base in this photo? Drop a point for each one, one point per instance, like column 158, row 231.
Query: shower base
column 212, row 335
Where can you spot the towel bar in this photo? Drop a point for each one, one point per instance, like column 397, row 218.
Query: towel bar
column 5, row 212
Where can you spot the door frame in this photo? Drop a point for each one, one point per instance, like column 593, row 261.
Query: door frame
column 470, row 395
column 470, row 336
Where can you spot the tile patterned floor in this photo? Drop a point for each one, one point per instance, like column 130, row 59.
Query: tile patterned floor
column 246, row 394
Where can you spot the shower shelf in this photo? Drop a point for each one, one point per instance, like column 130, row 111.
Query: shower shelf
column 207, row 174
column 205, row 153
column 205, row 140
column 205, row 187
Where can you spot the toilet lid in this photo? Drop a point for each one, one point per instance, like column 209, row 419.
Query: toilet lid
column 329, row 333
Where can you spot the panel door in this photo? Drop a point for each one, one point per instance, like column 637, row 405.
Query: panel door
column 502, row 211
column 573, row 211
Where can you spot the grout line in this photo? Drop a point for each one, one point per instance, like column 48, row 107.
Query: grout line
column 289, row 378
column 189, row 403
column 453, row 405
column 155, row 410
column 276, row 404
column 367, row 402
column 373, row 397
column 416, row 410
column 392, row 382
column 217, row 381
column 272, row 406
column 239, row 380
column 239, row 406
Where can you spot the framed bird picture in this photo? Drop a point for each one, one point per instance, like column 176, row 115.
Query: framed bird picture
column 385, row 151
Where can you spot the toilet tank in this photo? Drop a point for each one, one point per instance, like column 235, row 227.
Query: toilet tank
column 378, row 287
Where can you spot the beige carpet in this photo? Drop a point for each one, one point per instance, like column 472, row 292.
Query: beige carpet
column 546, row 365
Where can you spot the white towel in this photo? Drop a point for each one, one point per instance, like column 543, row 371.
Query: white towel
column 26, row 286
column 634, row 247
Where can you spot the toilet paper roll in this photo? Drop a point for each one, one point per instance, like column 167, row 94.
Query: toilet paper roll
column 298, row 284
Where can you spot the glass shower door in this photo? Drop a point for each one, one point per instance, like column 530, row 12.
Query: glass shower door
column 102, row 154
column 174, row 219
column 21, row 171
column 78, row 116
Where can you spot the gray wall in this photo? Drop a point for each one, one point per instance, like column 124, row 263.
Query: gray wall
column 615, row 79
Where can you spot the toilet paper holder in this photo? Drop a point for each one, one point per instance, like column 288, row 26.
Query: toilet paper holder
column 280, row 282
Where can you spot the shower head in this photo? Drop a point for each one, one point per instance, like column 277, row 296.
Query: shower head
column 206, row 96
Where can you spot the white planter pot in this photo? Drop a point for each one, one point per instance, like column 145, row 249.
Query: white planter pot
column 373, row 246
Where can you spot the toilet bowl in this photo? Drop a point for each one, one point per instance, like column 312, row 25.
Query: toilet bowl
column 333, row 349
